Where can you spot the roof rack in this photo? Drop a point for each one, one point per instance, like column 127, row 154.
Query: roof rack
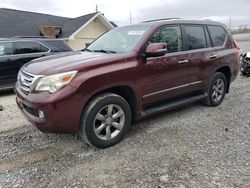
column 42, row 37
column 162, row 19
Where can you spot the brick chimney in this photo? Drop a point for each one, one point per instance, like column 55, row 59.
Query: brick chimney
column 50, row 31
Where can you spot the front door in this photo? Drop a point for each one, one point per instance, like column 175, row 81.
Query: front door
column 166, row 76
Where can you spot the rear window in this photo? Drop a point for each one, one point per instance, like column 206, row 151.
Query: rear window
column 195, row 37
column 6, row 48
column 218, row 35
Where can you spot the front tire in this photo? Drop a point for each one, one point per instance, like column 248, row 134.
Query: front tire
column 217, row 90
column 106, row 120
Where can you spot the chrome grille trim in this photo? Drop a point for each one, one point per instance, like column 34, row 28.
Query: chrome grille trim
column 26, row 80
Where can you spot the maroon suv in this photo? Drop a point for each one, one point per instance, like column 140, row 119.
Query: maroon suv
column 127, row 74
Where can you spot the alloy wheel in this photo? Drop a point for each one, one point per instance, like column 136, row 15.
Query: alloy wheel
column 109, row 122
column 218, row 90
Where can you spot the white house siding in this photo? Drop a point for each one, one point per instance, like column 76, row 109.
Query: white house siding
column 87, row 35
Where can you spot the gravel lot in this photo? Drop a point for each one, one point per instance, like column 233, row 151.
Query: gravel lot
column 195, row 146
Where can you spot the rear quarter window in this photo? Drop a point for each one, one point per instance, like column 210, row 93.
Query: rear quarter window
column 218, row 35
column 58, row 46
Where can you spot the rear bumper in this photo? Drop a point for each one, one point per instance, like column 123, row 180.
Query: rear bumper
column 62, row 110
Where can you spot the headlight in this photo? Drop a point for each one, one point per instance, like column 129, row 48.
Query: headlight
column 54, row 82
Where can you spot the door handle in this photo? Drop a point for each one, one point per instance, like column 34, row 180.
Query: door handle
column 212, row 56
column 183, row 61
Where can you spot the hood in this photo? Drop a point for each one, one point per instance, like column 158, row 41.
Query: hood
column 67, row 62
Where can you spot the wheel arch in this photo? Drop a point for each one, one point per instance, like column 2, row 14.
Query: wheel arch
column 227, row 72
column 124, row 91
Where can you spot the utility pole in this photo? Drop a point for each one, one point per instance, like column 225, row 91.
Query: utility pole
column 230, row 22
column 130, row 17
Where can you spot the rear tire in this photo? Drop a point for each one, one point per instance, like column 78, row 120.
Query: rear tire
column 105, row 120
column 217, row 90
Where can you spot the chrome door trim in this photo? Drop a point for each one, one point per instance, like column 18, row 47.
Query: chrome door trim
column 173, row 88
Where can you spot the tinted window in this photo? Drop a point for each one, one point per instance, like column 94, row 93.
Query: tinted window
column 195, row 37
column 209, row 44
column 169, row 35
column 218, row 35
column 43, row 48
column 57, row 46
column 29, row 47
column 6, row 48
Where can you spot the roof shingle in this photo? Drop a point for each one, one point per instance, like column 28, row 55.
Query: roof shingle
column 16, row 23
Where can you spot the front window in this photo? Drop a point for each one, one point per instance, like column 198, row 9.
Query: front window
column 171, row 35
column 119, row 40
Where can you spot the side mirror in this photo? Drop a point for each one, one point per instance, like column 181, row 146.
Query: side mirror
column 156, row 49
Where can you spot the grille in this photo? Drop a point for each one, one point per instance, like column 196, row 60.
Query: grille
column 25, row 80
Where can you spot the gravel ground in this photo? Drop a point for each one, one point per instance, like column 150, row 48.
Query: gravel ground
column 195, row 146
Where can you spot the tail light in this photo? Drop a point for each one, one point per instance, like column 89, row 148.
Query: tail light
column 238, row 48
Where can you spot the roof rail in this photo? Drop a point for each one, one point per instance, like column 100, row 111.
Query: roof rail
column 42, row 37
column 162, row 19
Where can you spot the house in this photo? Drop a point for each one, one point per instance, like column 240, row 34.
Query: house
column 77, row 32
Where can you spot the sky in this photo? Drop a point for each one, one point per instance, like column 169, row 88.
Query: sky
column 141, row 10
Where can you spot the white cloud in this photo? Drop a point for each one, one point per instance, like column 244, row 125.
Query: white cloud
column 119, row 11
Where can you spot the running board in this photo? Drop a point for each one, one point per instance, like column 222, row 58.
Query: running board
column 173, row 104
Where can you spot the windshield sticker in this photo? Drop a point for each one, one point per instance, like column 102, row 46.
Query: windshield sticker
column 136, row 32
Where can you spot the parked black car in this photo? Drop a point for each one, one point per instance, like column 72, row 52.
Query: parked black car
column 245, row 64
column 15, row 52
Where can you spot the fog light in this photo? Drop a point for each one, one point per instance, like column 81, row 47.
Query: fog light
column 41, row 115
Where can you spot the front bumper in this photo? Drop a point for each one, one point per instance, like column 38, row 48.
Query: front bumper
column 62, row 110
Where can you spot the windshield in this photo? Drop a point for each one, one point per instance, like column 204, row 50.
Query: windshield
column 119, row 40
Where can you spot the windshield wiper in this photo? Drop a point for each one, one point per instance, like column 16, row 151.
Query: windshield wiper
column 105, row 51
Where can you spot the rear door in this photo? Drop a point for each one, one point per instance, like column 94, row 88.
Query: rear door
column 200, row 55
column 7, row 64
